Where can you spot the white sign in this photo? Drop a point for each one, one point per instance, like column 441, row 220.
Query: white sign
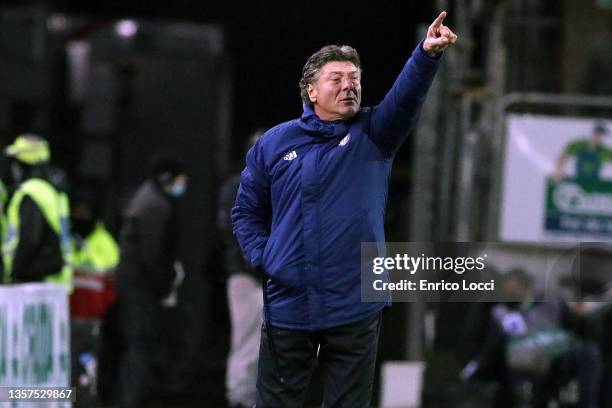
column 34, row 338
column 557, row 180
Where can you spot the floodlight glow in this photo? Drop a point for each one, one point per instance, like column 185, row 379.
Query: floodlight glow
column 57, row 22
column 126, row 28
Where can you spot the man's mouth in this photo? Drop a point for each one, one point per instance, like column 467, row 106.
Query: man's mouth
column 349, row 99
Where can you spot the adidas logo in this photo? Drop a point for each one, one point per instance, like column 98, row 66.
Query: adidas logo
column 290, row 156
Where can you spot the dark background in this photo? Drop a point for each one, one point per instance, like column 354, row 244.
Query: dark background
column 269, row 41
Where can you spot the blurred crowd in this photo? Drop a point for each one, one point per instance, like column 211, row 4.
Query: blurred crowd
column 52, row 231
column 538, row 350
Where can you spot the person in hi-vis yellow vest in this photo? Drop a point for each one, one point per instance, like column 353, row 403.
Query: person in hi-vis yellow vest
column 94, row 314
column 36, row 244
column 95, row 257
column 3, row 197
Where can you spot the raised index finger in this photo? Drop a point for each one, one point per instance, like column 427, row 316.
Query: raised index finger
column 438, row 21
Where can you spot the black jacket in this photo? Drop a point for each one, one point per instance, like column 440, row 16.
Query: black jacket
column 38, row 253
column 149, row 242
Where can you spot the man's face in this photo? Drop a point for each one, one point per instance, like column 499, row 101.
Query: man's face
column 336, row 92
column 598, row 137
column 177, row 186
column 82, row 218
column 514, row 290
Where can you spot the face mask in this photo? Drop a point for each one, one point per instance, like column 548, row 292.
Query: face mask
column 178, row 189
column 83, row 227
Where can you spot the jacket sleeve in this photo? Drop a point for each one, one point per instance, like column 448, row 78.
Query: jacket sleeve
column 399, row 111
column 252, row 211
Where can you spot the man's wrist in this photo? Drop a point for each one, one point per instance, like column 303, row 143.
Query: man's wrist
column 431, row 54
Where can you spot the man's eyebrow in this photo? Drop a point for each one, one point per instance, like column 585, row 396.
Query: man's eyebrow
column 342, row 72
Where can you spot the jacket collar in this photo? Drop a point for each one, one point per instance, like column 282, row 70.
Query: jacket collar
column 311, row 123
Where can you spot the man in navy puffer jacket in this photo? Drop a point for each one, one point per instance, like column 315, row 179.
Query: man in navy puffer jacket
column 313, row 190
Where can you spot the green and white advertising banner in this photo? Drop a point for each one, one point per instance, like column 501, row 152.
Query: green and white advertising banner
column 557, row 180
column 579, row 206
column 34, row 339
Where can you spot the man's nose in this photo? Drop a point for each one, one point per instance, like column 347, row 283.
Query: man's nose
column 347, row 84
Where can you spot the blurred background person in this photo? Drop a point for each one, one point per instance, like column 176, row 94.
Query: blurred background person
column 147, row 272
column 245, row 302
column 37, row 242
column 588, row 293
column 95, row 257
column 3, row 226
column 536, row 343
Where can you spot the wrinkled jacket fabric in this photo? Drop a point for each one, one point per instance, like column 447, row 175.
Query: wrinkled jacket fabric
column 312, row 191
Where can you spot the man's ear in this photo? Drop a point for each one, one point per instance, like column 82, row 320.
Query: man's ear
column 312, row 93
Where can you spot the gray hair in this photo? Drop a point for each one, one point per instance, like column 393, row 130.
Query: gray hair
column 317, row 60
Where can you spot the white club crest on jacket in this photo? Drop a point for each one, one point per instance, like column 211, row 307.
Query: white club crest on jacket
column 345, row 140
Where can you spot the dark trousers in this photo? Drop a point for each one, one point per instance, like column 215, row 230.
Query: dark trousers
column 140, row 314
column 110, row 352
column 346, row 356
